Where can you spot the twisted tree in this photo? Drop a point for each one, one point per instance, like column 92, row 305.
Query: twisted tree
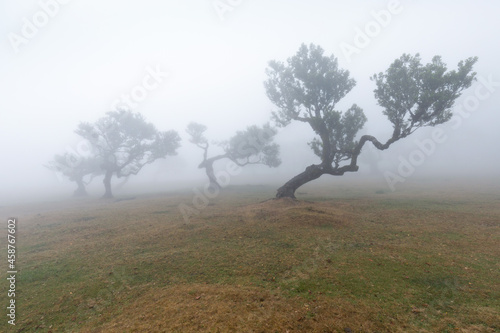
column 309, row 85
column 252, row 146
column 125, row 143
column 80, row 169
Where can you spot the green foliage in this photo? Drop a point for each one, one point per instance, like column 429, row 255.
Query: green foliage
column 342, row 130
column 126, row 142
column 196, row 136
column 309, row 85
column 415, row 95
column 75, row 167
column 254, row 145
column 307, row 89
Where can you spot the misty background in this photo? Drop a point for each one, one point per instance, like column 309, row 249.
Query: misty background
column 88, row 54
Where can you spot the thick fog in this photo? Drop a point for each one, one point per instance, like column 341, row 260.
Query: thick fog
column 66, row 62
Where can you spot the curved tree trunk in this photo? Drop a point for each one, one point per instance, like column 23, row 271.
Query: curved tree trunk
column 80, row 191
column 107, row 184
column 208, row 164
column 209, row 168
column 315, row 171
column 312, row 172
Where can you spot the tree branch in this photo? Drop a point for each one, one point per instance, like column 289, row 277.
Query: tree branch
column 212, row 159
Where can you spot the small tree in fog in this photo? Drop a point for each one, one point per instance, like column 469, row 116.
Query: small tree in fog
column 125, row 143
column 77, row 168
column 252, row 146
column 308, row 87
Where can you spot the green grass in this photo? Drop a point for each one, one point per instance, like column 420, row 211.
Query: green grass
column 370, row 261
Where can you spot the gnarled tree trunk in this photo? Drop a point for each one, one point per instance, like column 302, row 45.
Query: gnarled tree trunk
column 208, row 164
column 107, row 184
column 209, row 168
column 80, row 191
column 312, row 172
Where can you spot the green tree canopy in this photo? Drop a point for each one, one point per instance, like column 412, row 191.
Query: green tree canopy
column 254, row 145
column 76, row 168
column 309, row 85
column 125, row 143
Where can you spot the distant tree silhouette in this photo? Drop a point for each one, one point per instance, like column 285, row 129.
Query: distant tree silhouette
column 125, row 143
column 76, row 168
column 308, row 87
column 254, row 145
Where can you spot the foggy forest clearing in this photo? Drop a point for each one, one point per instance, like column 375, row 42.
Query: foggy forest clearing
column 350, row 256
column 250, row 166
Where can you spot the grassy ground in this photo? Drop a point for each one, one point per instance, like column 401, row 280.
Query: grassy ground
column 361, row 258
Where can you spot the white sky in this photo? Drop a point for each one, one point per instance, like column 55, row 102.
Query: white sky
column 91, row 52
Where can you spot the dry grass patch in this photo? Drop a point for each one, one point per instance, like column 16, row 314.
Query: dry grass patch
column 226, row 308
column 379, row 263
